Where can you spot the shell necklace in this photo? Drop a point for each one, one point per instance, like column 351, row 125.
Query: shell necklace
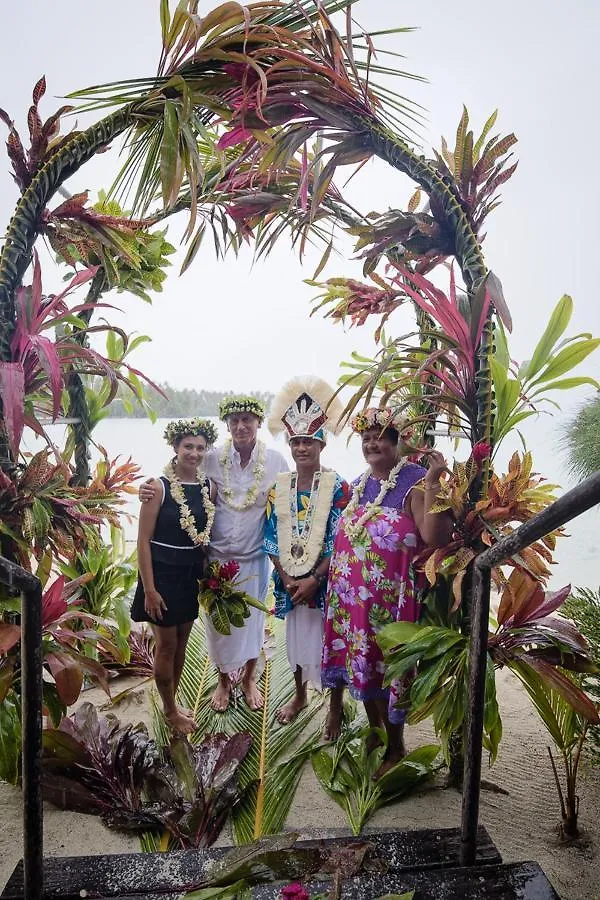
column 299, row 550
column 354, row 529
column 258, row 471
column 186, row 519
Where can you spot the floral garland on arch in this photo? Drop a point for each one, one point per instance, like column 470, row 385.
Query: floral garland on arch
column 258, row 471
column 186, row 519
column 353, row 529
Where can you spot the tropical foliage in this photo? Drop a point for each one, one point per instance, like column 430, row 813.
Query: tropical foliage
column 581, row 439
column 270, row 773
column 348, row 773
column 538, row 647
column 94, row 764
column 582, row 607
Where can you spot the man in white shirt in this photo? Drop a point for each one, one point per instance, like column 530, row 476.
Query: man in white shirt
column 243, row 470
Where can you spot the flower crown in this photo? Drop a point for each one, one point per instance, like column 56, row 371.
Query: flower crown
column 241, row 403
column 380, row 418
column 195, row 427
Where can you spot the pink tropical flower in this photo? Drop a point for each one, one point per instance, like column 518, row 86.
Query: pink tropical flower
column 481, row 451
column 295, row 891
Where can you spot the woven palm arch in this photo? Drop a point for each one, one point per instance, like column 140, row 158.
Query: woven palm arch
column 276, row 76
column 280, row 74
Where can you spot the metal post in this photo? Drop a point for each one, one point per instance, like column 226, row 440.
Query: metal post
column 480, row 613
column 567, row 507
column 31, row 717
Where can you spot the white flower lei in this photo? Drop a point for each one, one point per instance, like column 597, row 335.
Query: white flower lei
column 258, row 471
column 354, row 529
column 186, row 519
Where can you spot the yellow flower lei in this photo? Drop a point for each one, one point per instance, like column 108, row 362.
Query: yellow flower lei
column 258, row 471
column 186, row 519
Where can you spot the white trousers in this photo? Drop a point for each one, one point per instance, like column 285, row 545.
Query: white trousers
column 304, row 640
column 230, row 652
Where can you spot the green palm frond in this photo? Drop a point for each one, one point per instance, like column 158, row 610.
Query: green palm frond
column 581, row 440
column 272, row 768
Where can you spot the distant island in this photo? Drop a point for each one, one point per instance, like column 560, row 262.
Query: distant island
column 180, row 404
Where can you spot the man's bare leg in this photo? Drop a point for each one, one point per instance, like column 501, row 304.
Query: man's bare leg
column 252, row 695
column 222, row 694
column 333, row 722
column 290, row 710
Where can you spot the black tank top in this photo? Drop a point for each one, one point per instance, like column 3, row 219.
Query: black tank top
column 167, row 529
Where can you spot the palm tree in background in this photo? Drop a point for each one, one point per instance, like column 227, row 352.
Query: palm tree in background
column 582, row 440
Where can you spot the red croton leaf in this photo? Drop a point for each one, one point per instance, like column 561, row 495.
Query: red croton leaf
column 9, row 636
column 67, row 674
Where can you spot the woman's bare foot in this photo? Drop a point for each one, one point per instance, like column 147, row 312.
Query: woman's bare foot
column 221, row 697
column 186, row 712
column 373, row 741
column 391, row 759
column 290, row 710
column 253, row 697
column 333, row 724
column 182, row 724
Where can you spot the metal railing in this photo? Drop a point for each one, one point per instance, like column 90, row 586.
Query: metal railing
column 567, row 507
column 30, row 587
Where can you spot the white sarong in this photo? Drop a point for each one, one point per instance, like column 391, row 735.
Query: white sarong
column 230, row 652
column 304, row 640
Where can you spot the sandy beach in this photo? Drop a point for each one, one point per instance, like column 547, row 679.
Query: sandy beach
column 522, row 823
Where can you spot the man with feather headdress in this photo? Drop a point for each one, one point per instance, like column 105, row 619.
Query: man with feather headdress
column 303, row 511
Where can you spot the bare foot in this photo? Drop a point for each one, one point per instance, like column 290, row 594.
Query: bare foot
column 180, row 723
column 373, row 741
column 291, row 709
column 253, row 697
column 392, row 758
column 333, row 725
column 186, row 712
column 220, row 699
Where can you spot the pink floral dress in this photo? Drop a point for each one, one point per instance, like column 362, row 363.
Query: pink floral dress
column 371, row 583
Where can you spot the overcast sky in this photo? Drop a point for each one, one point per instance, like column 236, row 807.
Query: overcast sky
column 239, row 326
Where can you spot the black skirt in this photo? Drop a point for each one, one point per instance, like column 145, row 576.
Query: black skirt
column 177, row 584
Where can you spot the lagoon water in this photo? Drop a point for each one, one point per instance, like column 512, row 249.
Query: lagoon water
column 577, row 556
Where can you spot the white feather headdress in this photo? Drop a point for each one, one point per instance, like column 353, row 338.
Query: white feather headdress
column 304, row 406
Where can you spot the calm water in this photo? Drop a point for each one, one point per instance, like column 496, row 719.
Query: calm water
column 577, row 556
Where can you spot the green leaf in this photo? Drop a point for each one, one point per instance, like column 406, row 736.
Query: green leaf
column 556, row 327
column 567, row 359
column 170, row 164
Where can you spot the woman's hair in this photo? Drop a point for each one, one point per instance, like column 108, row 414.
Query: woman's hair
column 180, row 428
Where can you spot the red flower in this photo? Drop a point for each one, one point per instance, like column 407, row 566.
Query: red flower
column 229, row 570
column 481, row 451
column 213, row 584
column 295, row 891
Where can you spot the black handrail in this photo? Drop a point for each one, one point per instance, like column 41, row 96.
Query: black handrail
column 567, row 507
column 31, row 723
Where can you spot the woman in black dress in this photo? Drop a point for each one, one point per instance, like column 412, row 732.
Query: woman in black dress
column 174, row 531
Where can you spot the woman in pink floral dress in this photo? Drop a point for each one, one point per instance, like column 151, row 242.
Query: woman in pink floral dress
column 371, row 578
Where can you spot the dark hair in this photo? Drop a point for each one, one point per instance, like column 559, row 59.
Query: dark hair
column 391, row 434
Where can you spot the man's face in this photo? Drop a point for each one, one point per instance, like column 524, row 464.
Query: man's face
column 305, row 451
column 243, row 428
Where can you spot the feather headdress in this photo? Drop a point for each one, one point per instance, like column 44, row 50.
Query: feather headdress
column 305, row 407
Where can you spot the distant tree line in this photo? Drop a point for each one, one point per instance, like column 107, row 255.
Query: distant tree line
column 176, row 404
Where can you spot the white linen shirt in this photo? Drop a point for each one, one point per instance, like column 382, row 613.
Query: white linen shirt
column 238, row 534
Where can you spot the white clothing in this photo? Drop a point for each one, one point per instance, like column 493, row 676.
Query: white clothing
column 238, row 534
column 230, row 652
column 304, row 641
